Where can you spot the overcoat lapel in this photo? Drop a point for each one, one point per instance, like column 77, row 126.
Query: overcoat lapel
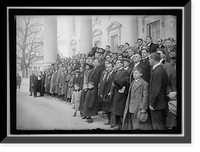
column 137, row 85
column 110, row 76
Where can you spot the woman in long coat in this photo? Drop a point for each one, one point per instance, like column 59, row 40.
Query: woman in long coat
column 70, row 88
column 48, row 82
column 86, row 73
column 137, row 99
column 64, row 83
column 67, row 78
column 52, row 82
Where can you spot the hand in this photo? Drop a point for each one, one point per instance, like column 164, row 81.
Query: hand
column 143, row 111
column 151, row 108
column 171, row 95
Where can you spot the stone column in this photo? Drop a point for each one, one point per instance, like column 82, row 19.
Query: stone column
column 86, row 34
column 50, row 41
column 133, row 29
column 129, row 30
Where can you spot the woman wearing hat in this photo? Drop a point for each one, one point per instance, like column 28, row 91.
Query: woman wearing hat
column 88, row 69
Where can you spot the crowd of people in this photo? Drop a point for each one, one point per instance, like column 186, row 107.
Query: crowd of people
column 135, row 86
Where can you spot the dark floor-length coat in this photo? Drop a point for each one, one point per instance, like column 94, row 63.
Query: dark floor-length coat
column 67, row 78
column 60, row 81
column 64, row 83
column 137, row 99
column 106, row 90
column 90, row 104
column 95, row 76
column 101, row 88
column 33, row 83
column 118, row 97
column 30, row 82
column 57, row 82
column 42, row 90
column 48, row 82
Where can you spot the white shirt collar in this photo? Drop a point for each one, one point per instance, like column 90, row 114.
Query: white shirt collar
column 161, row 60
column 145, row 57
column 126, row 68
column 149, row 44
column 156, row 65
column 136, row 80
column 136, row 64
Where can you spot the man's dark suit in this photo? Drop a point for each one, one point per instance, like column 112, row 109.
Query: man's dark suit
column 152, row 47
column 157, row 97
column 145, row 72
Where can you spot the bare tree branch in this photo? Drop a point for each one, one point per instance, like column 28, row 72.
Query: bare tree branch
column 29, row 40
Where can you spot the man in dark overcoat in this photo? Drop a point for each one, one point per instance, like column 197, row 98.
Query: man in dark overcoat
column 157, row 93
column 95, row 75
column 30, row 83
column 118, row 96
column 145, row 68
column 106, row 90
column 150, row 45
column 42, row 90
column 33, row 83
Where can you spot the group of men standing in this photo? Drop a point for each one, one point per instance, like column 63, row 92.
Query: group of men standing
column 36, row 83
column 113, row 73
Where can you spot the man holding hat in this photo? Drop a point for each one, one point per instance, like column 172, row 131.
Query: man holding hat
column 157, row 92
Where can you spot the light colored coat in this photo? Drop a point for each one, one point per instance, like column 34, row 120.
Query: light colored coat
column 137, row 99
column 76, row 96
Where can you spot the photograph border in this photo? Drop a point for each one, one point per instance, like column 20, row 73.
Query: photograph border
column 185, row 137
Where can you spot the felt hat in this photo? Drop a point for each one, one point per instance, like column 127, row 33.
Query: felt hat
column 155, row 56
column 100, row 51
column 89, row 64
column 142, row 116
column 77, row 71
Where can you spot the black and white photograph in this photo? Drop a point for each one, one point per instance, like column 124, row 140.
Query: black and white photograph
column 84, row 72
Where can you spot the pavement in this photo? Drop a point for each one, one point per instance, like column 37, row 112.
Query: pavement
column 47, row 113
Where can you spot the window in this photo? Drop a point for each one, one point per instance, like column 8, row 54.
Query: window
column 114, row 41
column 153, row 30
column 114, row 34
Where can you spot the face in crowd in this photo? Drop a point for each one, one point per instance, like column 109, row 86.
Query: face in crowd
column 96, row 62
column 148, row 40
column 144, row 53
column 136, row 58
column 137, row 74
column 110, row 67
column 119, row 64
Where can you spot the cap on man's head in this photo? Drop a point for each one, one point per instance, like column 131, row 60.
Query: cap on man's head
column 89, row 64
column 125, row 59
column 90, row 54
column 77, row 71
column 100, row 51
column 155, row 56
